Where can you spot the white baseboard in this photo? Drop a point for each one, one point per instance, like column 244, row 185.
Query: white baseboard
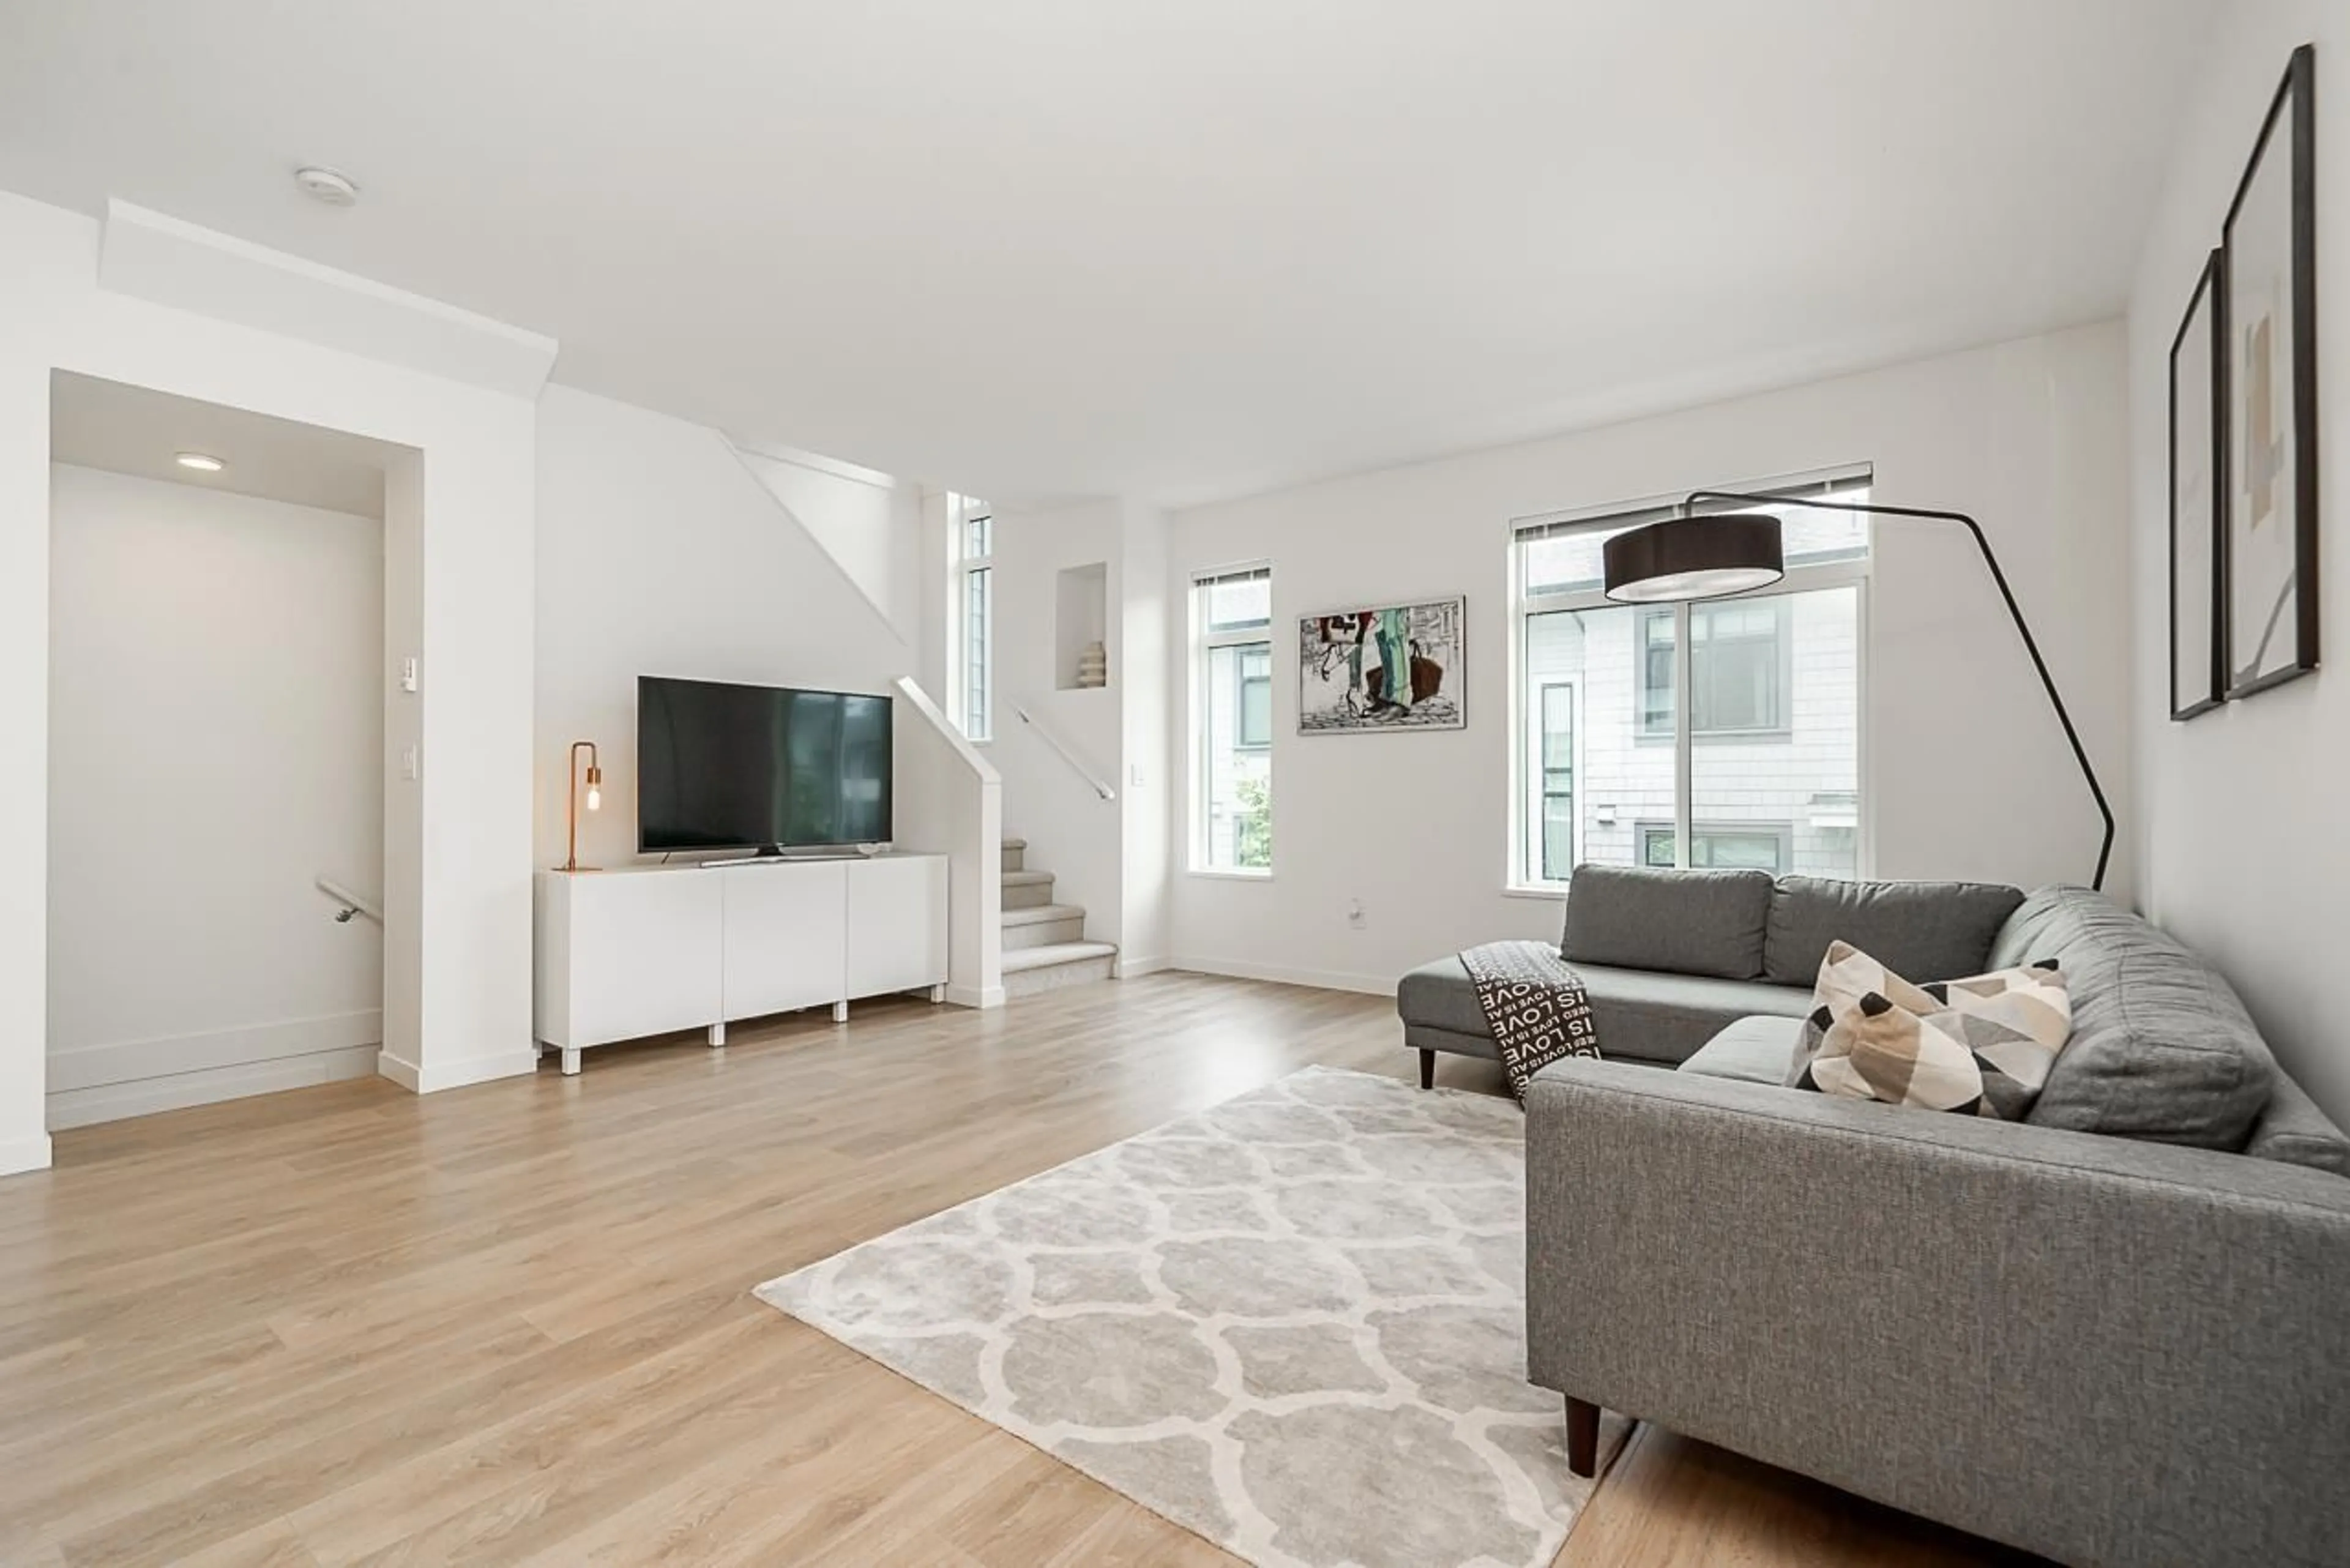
column 23, row 1154
column 1136, row 968
column 1319, row 979
column 974, row 996
column 81, row 1067
column 78, row 1107
column 434, row 1077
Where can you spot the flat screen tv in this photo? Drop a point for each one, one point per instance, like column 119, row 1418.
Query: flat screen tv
column 767, row 768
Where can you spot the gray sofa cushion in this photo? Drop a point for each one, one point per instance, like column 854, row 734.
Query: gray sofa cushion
column 1752, row 1050
column 1922, row 931
column 1642, row 1016
column 1684, row 923
column 2162, row 1049
column 2293, row 1129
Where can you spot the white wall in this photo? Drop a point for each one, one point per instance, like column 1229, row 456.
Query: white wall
column 215, row 743
column 1071, row 831
column 1147, row 782
column 459, row 522
column 2241, row 827
column 1966, row 771
column 868, row 523
column 660, row 552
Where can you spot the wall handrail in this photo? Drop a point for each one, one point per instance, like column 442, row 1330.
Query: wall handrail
column 352, row 903
column 1093, row 781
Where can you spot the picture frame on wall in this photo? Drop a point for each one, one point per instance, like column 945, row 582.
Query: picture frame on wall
column 1352, row 664
column 2269, row 307
column 2199, row 460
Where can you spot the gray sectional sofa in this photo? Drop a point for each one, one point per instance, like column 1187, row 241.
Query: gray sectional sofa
column 2117, row 1331
column 1671, row 958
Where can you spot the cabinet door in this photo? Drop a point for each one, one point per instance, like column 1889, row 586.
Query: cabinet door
column 642, row 954
column 897, row 924
column 784, row 942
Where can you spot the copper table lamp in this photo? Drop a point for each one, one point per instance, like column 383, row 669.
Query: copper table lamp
column 571, row 799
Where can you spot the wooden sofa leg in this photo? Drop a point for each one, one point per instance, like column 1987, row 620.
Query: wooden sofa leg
column 1427, row 1069
column 1582, row 1436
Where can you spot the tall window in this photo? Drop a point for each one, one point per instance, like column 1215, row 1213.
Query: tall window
column 1232, row 620
column 1744, row 754
column 976, row 580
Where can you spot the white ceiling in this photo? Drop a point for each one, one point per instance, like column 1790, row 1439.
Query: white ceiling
column 137, row 431
column 1164, row 248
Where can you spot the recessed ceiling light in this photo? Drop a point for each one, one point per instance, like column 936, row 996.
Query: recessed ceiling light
column 203, row 463
column 329, row 186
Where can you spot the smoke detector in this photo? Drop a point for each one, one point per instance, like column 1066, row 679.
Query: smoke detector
column 327, row 185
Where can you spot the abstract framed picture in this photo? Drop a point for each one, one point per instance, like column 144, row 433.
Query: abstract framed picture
column 1384, row 668
column 2268, row 556
column 2198, row 458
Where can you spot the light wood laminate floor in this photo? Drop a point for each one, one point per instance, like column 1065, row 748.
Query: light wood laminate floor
column 512, row 1322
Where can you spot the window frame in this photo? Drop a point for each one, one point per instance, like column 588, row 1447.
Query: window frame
column 1208, row 636
column 1520, row 877
column 973, row 660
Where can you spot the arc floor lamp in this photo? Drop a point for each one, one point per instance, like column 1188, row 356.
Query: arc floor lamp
column 1706, row 555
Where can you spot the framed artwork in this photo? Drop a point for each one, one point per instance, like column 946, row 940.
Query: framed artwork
column 1382, row 668
column 2198, row 459
column 2268, row 558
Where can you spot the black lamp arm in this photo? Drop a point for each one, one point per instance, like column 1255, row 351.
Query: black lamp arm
column 2014, row 612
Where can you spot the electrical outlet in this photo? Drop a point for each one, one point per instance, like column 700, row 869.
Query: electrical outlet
column 409, row 766
column 407, row 673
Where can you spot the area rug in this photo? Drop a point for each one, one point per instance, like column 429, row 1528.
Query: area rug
column 1293, row 1324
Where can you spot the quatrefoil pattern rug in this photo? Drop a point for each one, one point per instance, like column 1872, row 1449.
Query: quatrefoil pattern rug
column 1293, row 1324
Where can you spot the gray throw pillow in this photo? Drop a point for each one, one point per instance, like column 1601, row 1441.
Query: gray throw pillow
column 1681, row 922
column 1925, row 931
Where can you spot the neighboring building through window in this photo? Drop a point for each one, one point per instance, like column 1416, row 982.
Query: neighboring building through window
column 1253, row 704
column 1556, row 763
column 1739, row 667
column 975, row 577
column 1761, row 770
column 1232, row 620
column 1724, row 847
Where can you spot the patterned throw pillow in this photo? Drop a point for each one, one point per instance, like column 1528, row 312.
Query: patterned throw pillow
column 1980, row 1046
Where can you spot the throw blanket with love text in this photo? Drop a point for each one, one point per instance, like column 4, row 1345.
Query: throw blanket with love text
column 1534, row 1004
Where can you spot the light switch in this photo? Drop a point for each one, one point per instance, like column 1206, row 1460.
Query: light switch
column 408, row 678
column 408, row 764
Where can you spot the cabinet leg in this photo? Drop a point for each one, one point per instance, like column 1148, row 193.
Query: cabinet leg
column 938, row 994
column 571, row 1061
column 840, row 1012
column 718, row 1034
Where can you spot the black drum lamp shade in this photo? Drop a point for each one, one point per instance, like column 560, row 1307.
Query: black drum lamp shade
column 1694, row 559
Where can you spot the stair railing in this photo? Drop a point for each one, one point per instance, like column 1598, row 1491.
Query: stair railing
column 352, row 903
column 1093, row 781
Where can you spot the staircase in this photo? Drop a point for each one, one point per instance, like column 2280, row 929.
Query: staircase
column 1045, row 945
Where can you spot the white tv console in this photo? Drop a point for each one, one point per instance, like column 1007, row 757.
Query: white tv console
column 648, row 950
